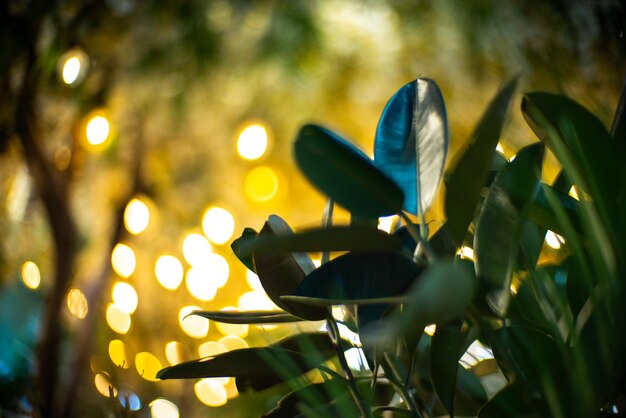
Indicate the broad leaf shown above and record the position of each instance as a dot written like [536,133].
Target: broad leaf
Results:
[412,142]
[309,396]
[506,403]
[542,213]
[444,362]
[499,225]
[248,317]
[334,238]
[247,236]
[259,367]
[345,174]
[360,276]
[465,181]
[281,273]
[470,394]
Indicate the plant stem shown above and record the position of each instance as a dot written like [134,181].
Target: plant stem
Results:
[418,236]
[394,378]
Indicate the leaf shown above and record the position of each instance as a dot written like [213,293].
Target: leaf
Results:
[247,236]
[345,174]
[360,276]
[444,362]
[499,225]
[281,273]
[542,213]
[248,317]
[618,127]
[314,394]
[465,181]
[470,394]
[538,367]
[506,403]
[345,301]
[334,238]
[412,142]
[259,367]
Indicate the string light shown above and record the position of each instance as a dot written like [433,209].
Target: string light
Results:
[218,225]
[31,275]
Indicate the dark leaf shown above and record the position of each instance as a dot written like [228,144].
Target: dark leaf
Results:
[506,403]
[470,394]
[304,398]
[345,174]
[500,223]
[465,181]
[543,215]
[444,362]
[412,142]
[248,317]
[247,235]
[281,273]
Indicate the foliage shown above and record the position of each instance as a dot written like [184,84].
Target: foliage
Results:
[553,324]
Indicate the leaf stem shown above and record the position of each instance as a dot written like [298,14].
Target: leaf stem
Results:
[418,236]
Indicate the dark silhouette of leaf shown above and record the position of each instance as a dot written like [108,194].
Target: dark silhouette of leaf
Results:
[248,317]
[247,236]
[444,362]
[306,397]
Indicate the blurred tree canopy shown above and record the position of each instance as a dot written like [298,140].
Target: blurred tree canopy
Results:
[176,80]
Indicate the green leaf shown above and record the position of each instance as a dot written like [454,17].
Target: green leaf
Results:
[247,236]
[248,317]
[542,213]
[444,362]
[334,238]
[500,223]
[306,397]
[360,276]
[506,403]
[412,142]
[281,273]
[259,367]
[465,181]
[314,301]
[470,394]
[345,174]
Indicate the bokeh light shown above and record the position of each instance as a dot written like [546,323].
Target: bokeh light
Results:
[218,270]
[147,365]
[129,399]
[162,408]
[218,225]
[256,300]
[231,388]
[199,284]
[73,66]
[253,281]
[211,348]
[136,216]
[252,142]
[174,352]
[77,303]
[98,130]
[261,184]
[194,326]
[123,260]
[196,249]
[210,392]
[31,276]
[118,320]
[103,384]
[554,240]
[430,329]
[125,297]
[237,330]
[118,354]
[233,342]
[169,271]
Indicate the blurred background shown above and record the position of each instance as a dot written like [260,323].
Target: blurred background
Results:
[138,139]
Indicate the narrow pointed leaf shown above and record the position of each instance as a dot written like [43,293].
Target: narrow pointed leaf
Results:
[465,181]
[542,214]
[334,238]
[248,235]
[444,363]
[412,142]
[345,174]
[345,301]
[281,273]
[360,276]
[500,223]
[248,317]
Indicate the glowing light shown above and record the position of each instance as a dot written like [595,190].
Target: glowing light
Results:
[252,142]
[261,184]
[118,321]
[255,300]
[194,326]
[500,149]
[317,261]
[136,216]
[199,284]
[125,297]
[71,70]
[123,260]
[169,271]
[253,281]
[211,348]
[573,193]
[231,388]
[355,358]
[77,303]
[232,342]
[98,130]
[218,270]
[162,408]
[386,223]
[117,352]
[239,330]
[218,225]
[554,240]
[430,329]
[174,352]
[210,392]
[129,400]
[466,253]
[31,275]
[196,248]
[147,365]
[103,384]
